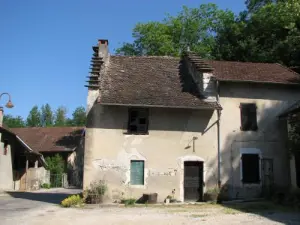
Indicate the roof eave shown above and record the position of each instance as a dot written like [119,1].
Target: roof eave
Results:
[162,106]
[258,82]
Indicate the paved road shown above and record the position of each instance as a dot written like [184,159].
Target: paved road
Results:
[20,203]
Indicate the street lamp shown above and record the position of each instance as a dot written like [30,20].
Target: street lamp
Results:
[9,104]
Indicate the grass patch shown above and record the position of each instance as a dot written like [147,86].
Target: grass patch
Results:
[230,211]
[198,215]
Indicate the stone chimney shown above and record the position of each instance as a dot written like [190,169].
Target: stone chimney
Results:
[99,63]
[103,48]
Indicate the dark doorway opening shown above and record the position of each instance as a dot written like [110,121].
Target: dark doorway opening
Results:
[193,181]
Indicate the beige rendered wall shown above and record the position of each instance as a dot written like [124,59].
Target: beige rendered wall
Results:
[269,139]
[108,149]
[6,171]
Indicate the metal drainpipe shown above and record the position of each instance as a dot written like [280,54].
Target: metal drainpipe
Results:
[219,137]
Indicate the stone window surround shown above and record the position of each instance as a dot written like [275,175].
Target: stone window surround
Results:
[250,151]
[189,158]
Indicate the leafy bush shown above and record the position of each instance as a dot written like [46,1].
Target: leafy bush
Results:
[95,193]
[45,185]
[72,200]
[57,167]
[129,201]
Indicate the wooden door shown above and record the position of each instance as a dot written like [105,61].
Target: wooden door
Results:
[193,181]
[267,177]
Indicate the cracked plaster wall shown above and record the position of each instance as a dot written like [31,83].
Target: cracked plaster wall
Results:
[109,149]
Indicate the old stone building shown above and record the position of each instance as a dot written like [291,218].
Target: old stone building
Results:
[186,126]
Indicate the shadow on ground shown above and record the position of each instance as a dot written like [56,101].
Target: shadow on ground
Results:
[274,212]
[53,198]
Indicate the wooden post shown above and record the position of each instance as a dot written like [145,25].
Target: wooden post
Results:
[26,180]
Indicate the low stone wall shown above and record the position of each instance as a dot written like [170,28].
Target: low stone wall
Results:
[36,177]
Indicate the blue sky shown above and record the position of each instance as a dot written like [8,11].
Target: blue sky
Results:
[46,46]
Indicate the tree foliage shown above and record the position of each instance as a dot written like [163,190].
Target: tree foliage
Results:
[46,117]
[60,117]
[192,28]
[34,117]
[268,31]
[13,122]
[79,117]
[56,164]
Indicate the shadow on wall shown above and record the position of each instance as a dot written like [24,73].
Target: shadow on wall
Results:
[271,139]
[161,119]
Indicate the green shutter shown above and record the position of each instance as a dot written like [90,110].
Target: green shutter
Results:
[137,173]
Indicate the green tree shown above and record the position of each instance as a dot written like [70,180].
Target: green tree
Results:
[270,34]
[13,122]
[192,28]
[79,117]
[47,116]
[34,117]
[60,117]
[57,166]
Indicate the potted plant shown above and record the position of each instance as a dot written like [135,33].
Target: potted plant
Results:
[168,199]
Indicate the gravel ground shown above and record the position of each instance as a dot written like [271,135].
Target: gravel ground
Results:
[108,216]
[17,210]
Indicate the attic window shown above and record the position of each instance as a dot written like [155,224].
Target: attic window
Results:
[248,117]
[138,121]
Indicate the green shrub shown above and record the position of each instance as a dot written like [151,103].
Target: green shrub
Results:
[45,185]
[73,200]
[94,194]
[129,201]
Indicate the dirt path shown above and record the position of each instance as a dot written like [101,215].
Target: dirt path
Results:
[203,214]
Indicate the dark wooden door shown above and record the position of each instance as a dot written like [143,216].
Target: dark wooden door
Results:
[267,177]
[193,181]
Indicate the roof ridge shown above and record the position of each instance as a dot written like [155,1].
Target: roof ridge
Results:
[193,53]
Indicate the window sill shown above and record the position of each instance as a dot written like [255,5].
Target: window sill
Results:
[138,186]
[131,133]
[251,184]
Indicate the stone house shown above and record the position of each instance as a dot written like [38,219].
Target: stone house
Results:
[66,141]
[186,126]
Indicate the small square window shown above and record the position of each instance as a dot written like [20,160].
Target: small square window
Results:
[138,121]
[248,117]
[250,168]
[137,172]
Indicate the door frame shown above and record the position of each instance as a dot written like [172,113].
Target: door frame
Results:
[189,158]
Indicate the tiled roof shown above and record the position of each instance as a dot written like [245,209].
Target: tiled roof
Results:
[152,81]
[163,81]
[50,139]
[254,72]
